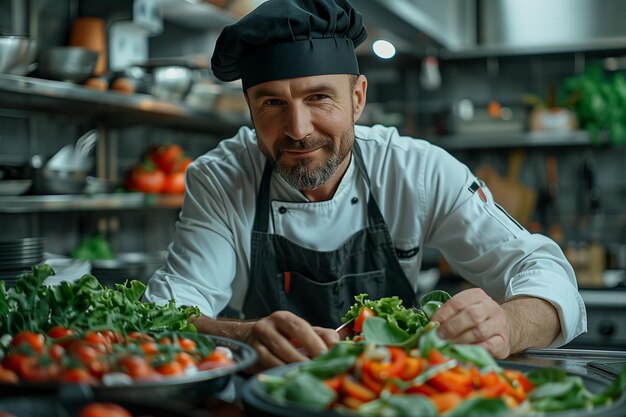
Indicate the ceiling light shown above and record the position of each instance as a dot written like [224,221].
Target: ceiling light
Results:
[384,49]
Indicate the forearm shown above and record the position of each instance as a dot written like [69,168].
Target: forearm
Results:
[533,322]
[234,329]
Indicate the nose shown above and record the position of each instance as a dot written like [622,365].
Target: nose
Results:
[299,124]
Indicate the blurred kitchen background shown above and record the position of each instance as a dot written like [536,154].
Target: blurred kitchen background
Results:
[529,93]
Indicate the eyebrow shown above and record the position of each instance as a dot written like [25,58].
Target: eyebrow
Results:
[320,88]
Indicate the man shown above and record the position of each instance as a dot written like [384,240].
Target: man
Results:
[284,224]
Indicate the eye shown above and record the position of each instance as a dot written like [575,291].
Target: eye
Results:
[319,97]
[272,102]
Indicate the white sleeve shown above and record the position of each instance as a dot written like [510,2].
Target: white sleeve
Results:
[486,246]
[200,263]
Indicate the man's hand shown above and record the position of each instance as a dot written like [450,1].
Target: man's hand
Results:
[472,317]
[282,337]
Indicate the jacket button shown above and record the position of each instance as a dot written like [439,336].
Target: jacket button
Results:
[282,210]
[354,200]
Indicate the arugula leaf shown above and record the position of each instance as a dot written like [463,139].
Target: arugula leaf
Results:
[475,354]
[436,295]
[85,304]
[300,387]
[479,407]
[400,406]
[377,330]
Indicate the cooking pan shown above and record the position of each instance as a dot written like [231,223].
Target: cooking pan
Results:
[189,387]
[258,403]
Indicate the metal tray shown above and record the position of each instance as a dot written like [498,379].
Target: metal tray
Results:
[259,404]
[189,387]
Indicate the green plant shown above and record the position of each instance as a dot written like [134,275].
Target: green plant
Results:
[599,101]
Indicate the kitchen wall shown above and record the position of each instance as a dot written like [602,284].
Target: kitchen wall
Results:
[396,93]
[395,97]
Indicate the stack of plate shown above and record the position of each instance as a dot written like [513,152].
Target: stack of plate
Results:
[18,256]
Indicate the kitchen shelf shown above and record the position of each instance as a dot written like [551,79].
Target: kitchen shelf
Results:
[116,201]
[113,108]
[195,14]
[515,140]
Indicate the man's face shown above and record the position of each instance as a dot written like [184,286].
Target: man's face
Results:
[305,126]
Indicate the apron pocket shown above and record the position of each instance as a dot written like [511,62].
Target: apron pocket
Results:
[324,303]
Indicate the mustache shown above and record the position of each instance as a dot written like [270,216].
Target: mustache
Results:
[310,142]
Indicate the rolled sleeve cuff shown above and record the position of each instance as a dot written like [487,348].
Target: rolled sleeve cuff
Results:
[559,292]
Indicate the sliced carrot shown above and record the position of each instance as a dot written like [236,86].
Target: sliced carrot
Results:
[449,381]
[334,383]
[446,401]
[435,357]
[423,389]
[413,367]
[352,403]
[370,382]
[353,388]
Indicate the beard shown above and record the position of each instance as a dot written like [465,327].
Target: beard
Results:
[307,173]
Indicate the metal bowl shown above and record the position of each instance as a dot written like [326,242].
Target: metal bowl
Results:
[17,53]
[191,387]
[257,402]
[68,63]
[50,181]
[171,82]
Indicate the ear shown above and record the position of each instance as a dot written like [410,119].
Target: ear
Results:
[359,97]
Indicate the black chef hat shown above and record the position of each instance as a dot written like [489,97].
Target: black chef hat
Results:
[289,39]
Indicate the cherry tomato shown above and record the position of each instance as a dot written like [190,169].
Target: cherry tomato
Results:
[77,375]
[170,369]
[140,336]
[217,359]
[56,351]
[363,314]
[85,353]
[174,183]
[146,178]
[186,360]
[58,332]
[7,376]
[166,157]
[182,164]
[104,410]
[149,348]
[36,341]
[136,366]
[186,344]
[98,340]
[34,371]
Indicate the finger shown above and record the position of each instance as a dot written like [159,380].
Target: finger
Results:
[269,333]
[458,303]
[480,332]
[465,320]
[295,328]
[328,336]
[276,342]
[265,358]
[497,346]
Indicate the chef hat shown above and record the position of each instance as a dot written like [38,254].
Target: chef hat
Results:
[289,39]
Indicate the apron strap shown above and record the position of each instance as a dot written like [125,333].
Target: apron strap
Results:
[262,212]
[375,217]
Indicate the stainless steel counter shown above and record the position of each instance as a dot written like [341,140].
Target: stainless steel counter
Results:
[574,360]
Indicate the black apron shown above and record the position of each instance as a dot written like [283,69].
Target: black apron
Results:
[320,286]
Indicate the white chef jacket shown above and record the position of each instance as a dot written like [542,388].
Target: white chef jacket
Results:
[425,195]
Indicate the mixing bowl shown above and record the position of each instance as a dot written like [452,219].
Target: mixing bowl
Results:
[68,63]
[17,53]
